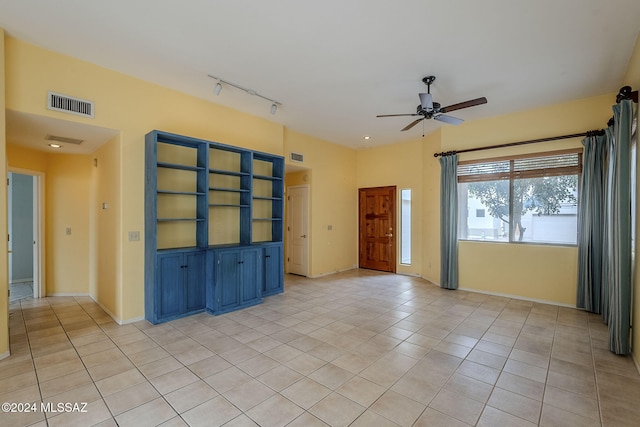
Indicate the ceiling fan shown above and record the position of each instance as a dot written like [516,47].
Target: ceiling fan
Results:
[432,110]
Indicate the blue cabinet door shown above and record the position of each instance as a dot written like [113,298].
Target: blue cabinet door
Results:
[251,276]
[194,281]
[170,297]
[227,280]
[273,270]
[181,284]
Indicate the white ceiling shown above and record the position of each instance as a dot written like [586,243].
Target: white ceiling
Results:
[334,65]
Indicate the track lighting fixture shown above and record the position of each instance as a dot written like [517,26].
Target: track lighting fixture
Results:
[218,88]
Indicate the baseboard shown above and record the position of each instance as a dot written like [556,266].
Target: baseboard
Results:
[353,267]
[5,355]
[430,281]
[67,294]
[133,320]
[635,362]
[114,317]
[519,297]
[497,294]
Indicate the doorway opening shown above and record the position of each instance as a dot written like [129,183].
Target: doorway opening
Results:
[25,201]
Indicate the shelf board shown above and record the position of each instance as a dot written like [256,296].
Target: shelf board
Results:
[267,177]
[266,198]
[233,190]
[181,193]
[179,219]
[226,172]
[266,219]
[177,166]
[227,205]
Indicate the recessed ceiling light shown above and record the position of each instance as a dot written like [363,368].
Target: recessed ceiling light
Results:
[55,145]
[366,137]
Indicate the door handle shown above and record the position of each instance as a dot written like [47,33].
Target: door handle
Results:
[304,236]
[389,235]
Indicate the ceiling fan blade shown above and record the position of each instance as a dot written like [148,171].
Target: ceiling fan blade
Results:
[466,104]
[412,124]
[426,101]
[448,119]
[396,115]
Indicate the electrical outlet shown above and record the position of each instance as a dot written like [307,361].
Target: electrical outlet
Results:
[134,236]
[68,231]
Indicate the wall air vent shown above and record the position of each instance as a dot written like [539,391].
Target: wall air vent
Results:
[64,139]
[68,104]
[297,157]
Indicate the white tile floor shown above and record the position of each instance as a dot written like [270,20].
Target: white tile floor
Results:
[359,348]
[18,291]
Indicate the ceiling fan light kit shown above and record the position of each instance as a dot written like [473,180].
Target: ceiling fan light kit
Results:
[428,109]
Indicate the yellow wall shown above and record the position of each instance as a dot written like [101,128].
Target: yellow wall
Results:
[632,78]
[334,202]
[4,256]
[67,184]
[398,165]
[538,272]
[106,233]
[25,158]
[431,207]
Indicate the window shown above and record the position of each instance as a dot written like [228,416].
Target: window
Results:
[405,227]
[530,198]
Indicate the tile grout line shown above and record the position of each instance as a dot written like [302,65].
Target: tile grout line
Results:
[33,360]
[595,373]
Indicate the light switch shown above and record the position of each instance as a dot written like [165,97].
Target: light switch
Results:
[134,236]
[329,227]
[68,231]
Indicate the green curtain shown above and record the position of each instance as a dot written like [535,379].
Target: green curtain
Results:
[604,240]
[449,222]
[591,230]
[619,231]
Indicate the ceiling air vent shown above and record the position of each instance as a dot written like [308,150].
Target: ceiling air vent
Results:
[297,157]
[68,104]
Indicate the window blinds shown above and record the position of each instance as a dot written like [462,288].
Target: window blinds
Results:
[523,166]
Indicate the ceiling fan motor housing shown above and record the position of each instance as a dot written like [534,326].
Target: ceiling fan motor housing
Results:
[420,110]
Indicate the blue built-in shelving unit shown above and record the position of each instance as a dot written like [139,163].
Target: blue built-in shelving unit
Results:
[213,226]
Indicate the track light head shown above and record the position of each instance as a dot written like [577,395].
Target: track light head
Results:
[274,108]
[217,89]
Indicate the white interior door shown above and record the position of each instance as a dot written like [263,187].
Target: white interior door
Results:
[30,249]
[298,259]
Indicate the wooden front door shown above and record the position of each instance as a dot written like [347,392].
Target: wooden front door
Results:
[377,219]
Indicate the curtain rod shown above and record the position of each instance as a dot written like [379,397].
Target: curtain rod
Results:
[512,144]
[625,93]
